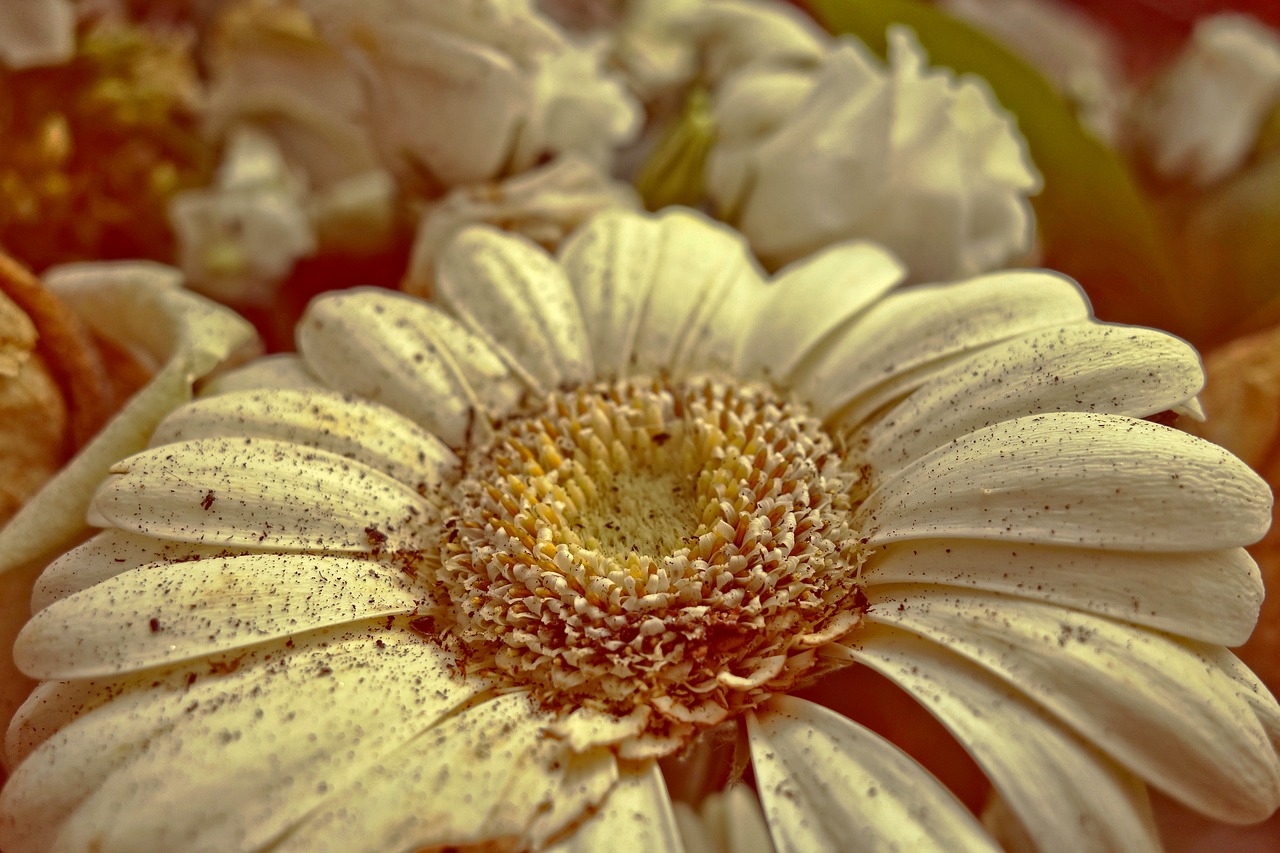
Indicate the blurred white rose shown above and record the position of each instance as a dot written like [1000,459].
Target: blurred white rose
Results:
[1201,116]
[917,159]
[441,93]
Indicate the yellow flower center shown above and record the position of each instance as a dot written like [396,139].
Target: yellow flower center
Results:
[672,549]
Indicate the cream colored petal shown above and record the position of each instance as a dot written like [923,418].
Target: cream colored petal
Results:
[825,780]
[112,724]
[880,356]
[636,818]
[1069,797]
[235,774]
[610,262]
[486,773]
[1073,479]
[282,370]
[1248,687]
[108,554]
[589,776]
[1086,367]
[262,493]
[809,300]
[143,307]
[513,295]
[1213,596]
[170,612]
[366,432]
[700,264]
[736,821]
[1152,703]
[410,356]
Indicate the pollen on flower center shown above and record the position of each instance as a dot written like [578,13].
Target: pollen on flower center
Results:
[669,553]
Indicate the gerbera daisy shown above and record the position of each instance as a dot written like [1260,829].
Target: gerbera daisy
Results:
[473,573]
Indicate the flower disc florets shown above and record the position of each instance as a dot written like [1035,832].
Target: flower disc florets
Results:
[647,546]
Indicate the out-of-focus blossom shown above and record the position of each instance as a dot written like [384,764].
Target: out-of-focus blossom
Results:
[440,93]
[1201,117]
[544,204]
[915,158]
[1072,50]
[37,32]
[239,237]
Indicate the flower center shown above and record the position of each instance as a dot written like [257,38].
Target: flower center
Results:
[671,553]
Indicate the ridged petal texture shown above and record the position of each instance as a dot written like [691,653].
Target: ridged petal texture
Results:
[248,656]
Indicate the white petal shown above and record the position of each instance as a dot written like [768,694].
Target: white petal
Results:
[410,356]
[810,299]
[1152,703]
[700,263]
[237,773]
[1212,596]
[882,355]
[108,554]
[1068,796]
[485,773]
[516,297]
[112,722]
[261,493]
[610,263]
[1087,367]
[141,306]
[170,612]
[282,370]
[824,780]
[348,426]
[1074,479]
[636,818]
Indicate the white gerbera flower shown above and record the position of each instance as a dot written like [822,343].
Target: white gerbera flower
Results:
[464,574]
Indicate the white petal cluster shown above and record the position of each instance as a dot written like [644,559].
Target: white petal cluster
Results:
[439,93]
[254,651]
[820,143]
[1201,117]
[245,231]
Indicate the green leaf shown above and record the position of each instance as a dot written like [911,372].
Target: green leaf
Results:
[1095,223]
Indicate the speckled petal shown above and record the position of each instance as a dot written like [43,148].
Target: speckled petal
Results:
[282,370]
[486,773]
[110,725]
[808,301]
[1213,596]
[410,356]
[234,774]
[825,780]
[511,293]
[348,426]
[1074,479]
[1080,800]
[636,818]
[1087,367]
[891,348]
[1152,703]
[261,493]
[170,612]
[108,554]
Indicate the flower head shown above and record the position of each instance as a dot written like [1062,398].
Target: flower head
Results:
[463,573]
[813,150]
